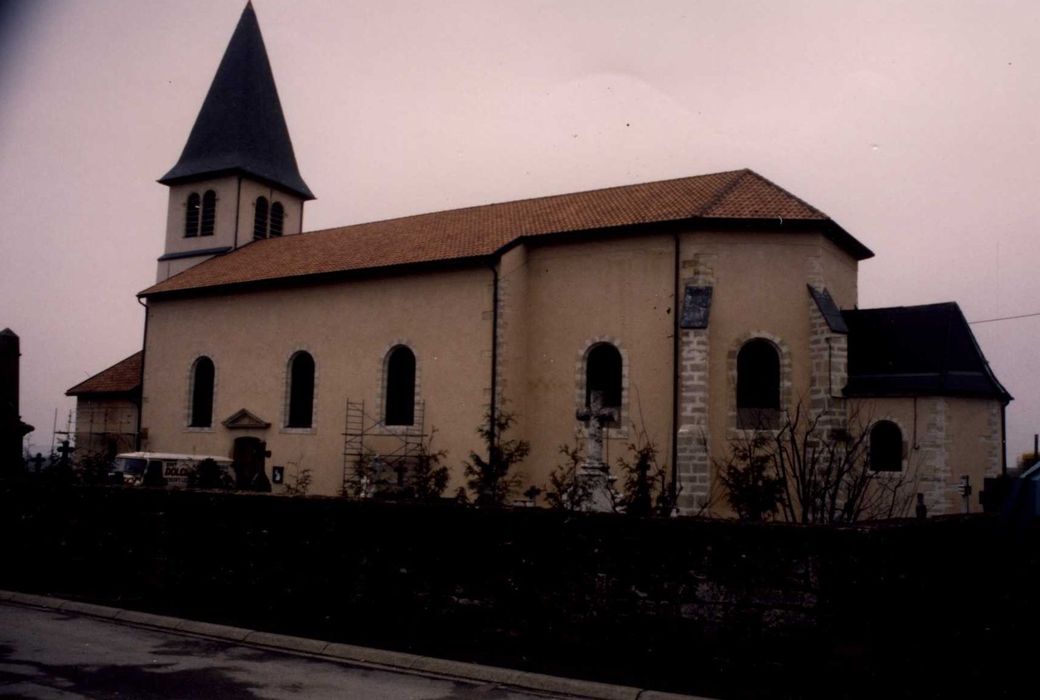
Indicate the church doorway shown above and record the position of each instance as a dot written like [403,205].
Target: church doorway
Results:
[248,459]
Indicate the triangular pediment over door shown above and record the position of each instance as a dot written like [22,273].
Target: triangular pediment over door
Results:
[245,420]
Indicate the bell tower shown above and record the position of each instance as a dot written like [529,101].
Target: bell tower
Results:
[237,179]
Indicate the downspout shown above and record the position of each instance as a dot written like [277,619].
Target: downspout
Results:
[675,367]
[140,399]
[238,209]
[492,412]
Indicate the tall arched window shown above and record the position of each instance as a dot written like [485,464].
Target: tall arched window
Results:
[301,391]
[758,385]
[202,393]
[260,218]
[209,213]
[191,216]
[603,379]
[886,447]
[277,219]
[400,387]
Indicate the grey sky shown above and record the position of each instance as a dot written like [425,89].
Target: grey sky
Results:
[914,125]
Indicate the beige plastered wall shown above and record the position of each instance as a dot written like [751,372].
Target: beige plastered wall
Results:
[944,439]
[616,290]
[760,291]
[559,299]
[556,300]
[348,327]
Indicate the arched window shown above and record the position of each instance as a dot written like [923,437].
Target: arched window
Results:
[758,385]
[202,393]
[301,391]
[191,217]
[209,213]
[400,387]
[260,218]
[886,447]
[603,379]
[277,219]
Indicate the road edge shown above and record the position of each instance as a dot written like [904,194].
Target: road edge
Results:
[366,656]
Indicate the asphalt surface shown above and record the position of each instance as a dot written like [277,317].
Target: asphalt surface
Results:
[52,649]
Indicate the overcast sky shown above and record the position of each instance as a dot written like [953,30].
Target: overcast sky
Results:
[915,125]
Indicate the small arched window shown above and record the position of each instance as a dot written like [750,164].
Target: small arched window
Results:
[260,218]
[886,447]
[603,379]
[209,213]
[758,385]
[301,391]
[202,393]
[400,387]
[191,216]
[277,219]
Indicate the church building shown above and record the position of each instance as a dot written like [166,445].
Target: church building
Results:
[693,312]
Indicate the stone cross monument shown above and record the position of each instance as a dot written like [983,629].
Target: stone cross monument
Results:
[594,472]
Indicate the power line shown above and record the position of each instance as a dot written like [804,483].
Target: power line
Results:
[1004,318]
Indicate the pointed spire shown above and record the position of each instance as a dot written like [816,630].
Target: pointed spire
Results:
[240,127]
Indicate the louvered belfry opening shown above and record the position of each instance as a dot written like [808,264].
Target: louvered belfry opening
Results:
[260,218]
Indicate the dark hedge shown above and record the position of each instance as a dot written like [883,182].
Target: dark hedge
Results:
[720,608]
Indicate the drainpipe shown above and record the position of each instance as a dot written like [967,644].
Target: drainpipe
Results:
[492,412]
[675,366]
[238,210]
[140,399]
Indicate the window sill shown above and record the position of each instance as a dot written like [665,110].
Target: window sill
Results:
[383,429]
[298,431]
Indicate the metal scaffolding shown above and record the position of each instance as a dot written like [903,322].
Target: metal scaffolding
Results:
[377,456]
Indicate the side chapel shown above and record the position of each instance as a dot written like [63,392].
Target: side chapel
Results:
[698,309]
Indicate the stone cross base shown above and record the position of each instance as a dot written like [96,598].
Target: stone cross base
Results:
[597,481]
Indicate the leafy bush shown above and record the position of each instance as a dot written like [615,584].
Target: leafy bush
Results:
[491,479]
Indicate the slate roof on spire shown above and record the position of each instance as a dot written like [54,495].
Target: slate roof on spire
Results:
[240,127]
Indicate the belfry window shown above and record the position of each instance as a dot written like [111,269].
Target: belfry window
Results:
[202,393]
[260,218]
[301,391]
[886,447]
[603,380]
[209,213]
[277,219]
[191,216]
[758,385]
[400,387]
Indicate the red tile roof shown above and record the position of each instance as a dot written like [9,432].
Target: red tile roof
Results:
[123,377]
[483,230]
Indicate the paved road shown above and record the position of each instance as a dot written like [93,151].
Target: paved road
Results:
[50,655]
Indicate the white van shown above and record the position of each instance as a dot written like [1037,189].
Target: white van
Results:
[137,468]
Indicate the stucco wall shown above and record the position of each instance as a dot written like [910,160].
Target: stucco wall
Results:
[760,292]
[348,328]
[616,290]
[556,300]
[945,438]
